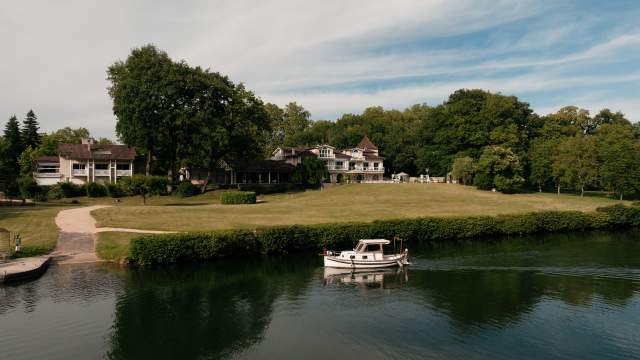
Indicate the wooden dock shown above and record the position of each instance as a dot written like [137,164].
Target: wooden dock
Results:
[23,268]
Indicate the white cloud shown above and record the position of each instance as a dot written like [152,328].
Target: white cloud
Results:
[56,53]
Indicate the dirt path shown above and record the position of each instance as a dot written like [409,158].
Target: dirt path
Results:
[77,239]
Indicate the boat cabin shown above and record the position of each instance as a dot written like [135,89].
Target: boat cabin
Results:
[370,245]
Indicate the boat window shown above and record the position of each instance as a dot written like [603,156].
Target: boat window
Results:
[373,248]
[352,257]
[365,257]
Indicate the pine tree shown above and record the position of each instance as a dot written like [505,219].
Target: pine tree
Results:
[30,136]
[13,144]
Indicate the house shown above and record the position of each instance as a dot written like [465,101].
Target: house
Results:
[361,163]
[238,172]
[85,162]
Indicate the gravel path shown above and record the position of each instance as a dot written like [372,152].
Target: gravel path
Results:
[77,239]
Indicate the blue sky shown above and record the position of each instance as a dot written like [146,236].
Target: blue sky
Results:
[330,56]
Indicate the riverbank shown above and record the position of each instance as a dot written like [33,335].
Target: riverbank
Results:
[202,246]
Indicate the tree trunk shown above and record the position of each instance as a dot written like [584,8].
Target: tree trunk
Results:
[206,181]
[620,196]
[539,188]
[148,165]
[558,190]
[144,199]
[582,191]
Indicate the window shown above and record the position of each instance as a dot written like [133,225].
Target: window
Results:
[373,248]
[375,166]
[48,168]
[79,166]
[339,164]
[352,166]
[102,166]
[366,165]
[122,166]
[325,152]
[365,257]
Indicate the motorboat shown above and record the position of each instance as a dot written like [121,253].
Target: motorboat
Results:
[367,254]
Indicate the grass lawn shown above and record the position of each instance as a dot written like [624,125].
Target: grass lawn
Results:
[113,246]
[345,203]
[35,223]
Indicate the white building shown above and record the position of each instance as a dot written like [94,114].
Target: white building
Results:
[86,162]
[359,164]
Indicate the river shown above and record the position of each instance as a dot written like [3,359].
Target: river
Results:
[565,296]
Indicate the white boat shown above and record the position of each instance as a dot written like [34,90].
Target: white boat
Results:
[368,254]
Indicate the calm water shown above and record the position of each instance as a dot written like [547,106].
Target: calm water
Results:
[559,296]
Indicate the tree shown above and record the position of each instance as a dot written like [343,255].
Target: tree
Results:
[498,168]
[30,135]
[13,146]
[27,160]
[310,172]
[67,135]
[541,157]
[144,185]
[139,89]
[462,170]
[576,164]
[619,155]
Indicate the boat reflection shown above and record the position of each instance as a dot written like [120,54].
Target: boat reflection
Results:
[366,278]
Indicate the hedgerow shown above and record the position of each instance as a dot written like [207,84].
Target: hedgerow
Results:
[200,246]
[237,197]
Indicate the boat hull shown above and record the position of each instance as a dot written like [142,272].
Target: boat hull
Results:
[342,263]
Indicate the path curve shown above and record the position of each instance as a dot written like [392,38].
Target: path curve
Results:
[77,240]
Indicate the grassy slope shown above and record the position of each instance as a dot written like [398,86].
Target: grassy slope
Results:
[346,203]
[35,224]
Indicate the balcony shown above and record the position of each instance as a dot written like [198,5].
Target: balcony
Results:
[124,173]
[101,172]
[47,174]
[79,172]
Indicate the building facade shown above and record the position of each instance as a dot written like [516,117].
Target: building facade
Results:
[362,163]
[86,162]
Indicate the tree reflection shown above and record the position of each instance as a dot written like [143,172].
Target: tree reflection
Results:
[202,311]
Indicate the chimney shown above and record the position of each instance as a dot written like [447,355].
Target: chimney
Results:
[87,141]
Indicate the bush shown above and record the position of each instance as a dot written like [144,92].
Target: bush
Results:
[157,185]
[169,248]
[238,197]
[96,190]
[29,189]
[55,192]
[70,189]
[187,189]
[115,190]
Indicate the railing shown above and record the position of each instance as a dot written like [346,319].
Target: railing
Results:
[123,173]
[329,167]
[79,172]
[47,175]
[101,172]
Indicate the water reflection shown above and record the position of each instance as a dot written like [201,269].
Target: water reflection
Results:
[202,311]
[366,278]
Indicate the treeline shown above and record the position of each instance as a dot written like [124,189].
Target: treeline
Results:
[20,144]
[491,141]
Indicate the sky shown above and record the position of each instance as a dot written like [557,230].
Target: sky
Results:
[330,56]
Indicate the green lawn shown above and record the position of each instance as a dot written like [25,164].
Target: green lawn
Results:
[113,246]
[35,223]
[345,203]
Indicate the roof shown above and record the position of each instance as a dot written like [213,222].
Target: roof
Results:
[260,165]
[48,159]
[375,241]
[96,151]
[366,143]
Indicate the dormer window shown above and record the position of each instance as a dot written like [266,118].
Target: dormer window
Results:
[325,152]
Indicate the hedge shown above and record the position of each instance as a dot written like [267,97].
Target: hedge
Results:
[238,197]
[96,190]
[187,189]
[200,246]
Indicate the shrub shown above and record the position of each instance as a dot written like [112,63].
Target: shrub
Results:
[55,192]
[96,190]
[238,197]
[70,189]
[187,189]
[29,189]
[169,248]
[157,185]
[271,188]
[115,190]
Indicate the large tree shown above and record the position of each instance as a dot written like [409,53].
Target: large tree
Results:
[498,168]
[619,155]
[576,165]
[66,135]
[30,135]
[142,103]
